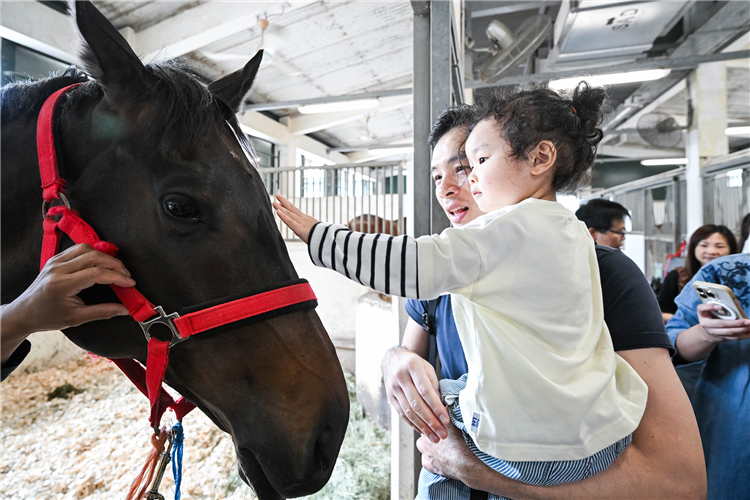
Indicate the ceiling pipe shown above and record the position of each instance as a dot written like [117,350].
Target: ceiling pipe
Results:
[660,63]
[270,106]
[655,63]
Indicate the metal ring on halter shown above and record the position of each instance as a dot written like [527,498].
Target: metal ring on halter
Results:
[46,205]
[166,320]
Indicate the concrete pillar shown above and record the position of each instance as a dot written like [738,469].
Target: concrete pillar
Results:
[128,34]
[287,150]
[707,90]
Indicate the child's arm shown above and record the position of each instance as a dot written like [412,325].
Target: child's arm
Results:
[394,265]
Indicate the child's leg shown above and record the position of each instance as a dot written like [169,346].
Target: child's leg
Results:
[434,487]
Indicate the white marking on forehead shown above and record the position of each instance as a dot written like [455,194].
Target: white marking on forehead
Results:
[249,153]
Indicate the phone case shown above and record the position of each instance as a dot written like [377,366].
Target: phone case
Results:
[713,293]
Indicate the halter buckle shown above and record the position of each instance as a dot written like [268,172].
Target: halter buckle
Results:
[163,319]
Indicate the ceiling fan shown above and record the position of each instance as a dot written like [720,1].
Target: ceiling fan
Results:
[507,49]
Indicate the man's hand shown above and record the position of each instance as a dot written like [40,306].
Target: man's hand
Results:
[450,457]
[719,330]
[51,302]
[413,390]
[299,222]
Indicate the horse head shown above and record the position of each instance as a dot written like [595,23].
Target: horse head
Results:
[155,161]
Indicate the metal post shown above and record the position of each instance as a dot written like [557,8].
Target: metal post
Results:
[440,88]
[418,179]
[405,459]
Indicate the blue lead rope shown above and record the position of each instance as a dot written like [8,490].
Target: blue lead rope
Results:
[177,458]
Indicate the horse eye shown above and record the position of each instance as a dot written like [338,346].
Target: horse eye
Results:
[182,208]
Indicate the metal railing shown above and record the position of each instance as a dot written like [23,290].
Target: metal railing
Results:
[366,197]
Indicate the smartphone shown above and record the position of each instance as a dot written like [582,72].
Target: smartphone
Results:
[713,293]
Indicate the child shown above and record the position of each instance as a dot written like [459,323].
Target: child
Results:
[545,393]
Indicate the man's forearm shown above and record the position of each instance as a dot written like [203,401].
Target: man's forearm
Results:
[630,477]
[664,461]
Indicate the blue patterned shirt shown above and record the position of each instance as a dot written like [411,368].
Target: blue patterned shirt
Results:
[721,399]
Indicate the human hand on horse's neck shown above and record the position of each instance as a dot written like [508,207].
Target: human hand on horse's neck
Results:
[52,302]
[296,219]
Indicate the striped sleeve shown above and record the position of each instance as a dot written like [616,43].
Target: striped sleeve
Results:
[385,263]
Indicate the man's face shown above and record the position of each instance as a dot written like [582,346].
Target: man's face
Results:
[614,237]
[450,171]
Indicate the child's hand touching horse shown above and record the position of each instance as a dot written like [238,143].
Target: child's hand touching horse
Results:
[298,221]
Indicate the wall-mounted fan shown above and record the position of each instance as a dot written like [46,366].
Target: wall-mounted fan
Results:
[508,49]
[660,130]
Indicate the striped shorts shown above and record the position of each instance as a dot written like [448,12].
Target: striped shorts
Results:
[434,487]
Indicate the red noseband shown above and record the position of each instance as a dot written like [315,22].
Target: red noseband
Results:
[260,305]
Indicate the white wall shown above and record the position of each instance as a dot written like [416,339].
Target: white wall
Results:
[337,301]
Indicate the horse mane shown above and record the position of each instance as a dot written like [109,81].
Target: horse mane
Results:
[187,109]
[25,98]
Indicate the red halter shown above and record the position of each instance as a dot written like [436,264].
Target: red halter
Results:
[294,295]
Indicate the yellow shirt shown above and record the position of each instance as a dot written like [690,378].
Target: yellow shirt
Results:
[544,380]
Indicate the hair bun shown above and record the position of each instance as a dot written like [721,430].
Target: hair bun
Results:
[589,105]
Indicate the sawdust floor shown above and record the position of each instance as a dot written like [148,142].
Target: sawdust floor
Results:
[93,439]
[91,444]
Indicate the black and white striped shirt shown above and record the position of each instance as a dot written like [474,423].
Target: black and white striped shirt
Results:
[382,262]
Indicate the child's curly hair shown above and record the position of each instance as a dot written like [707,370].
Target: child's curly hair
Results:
[572,125]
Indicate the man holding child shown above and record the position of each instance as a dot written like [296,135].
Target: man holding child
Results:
[523,149]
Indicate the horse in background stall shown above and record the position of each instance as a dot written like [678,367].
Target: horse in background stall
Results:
[369,223]
[156,163]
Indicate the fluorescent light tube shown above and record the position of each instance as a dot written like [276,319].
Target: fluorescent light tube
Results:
[332,107]
[611,79]
[664,161]
[741,131]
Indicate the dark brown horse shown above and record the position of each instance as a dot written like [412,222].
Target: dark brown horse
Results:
[369,223]
[153,164]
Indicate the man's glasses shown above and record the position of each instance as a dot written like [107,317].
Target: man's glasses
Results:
[621,234]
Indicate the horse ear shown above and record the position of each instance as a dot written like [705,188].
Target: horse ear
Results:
[105,53]
[232,88]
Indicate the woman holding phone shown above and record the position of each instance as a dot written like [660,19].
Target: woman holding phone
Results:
[721,398]
[706,243]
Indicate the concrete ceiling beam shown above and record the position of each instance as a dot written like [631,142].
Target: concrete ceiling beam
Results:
[259,125]
[379,94]
[40,28]
[203,25]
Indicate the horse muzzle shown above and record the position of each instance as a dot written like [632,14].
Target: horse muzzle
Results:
[295,472]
